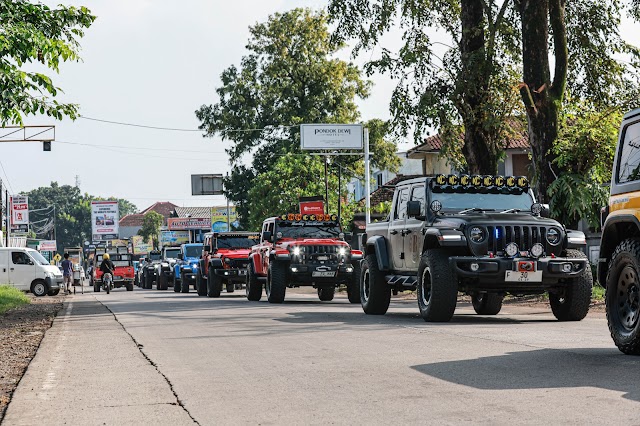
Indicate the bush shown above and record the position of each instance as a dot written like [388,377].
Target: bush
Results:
[11,298]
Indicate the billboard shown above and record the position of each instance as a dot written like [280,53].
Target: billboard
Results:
[331,136]
[219,218]
[104,220]
[174,238]
[140,246]
[48,245]
[185,223]
[19,214]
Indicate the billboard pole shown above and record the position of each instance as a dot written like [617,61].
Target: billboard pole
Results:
[367,180]
[9,215]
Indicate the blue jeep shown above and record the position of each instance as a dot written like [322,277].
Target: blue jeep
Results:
[186,268]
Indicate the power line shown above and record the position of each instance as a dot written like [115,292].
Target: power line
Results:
[6,177]
[130,147]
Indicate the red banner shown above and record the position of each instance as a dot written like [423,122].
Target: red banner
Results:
[311,207]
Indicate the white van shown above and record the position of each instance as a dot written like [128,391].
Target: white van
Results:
[26,269]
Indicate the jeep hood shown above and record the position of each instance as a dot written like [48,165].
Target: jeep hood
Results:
[497,219]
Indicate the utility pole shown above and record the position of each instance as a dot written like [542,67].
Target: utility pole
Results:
[8,229]
[367,180]
[326,183]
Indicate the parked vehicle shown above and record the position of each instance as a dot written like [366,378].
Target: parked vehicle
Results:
[123,274]
[164,269]
[185,269]
[224,261]
[619,263]
[481,235]
[148,271]
[27,270]
[302,250]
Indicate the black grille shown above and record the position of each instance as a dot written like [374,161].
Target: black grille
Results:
[238,263]
[324,249]
[524,236]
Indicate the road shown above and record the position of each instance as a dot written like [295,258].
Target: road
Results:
[230,361]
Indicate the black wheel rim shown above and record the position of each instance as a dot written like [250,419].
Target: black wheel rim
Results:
[425,285]
[366,287]
[628,298]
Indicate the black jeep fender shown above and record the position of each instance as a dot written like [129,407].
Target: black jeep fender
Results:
[378,245]
[215,263]
[616,228]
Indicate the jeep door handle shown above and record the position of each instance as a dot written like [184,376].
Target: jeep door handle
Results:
[394,232]
[406,232]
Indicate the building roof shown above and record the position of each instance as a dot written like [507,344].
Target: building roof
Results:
[518,140]
[384,193]
[132,220]
[165,208]
[199,212]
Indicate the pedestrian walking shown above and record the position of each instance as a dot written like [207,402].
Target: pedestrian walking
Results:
[67,273]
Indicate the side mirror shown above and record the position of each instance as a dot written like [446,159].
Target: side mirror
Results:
[546,211]
[414,208]
[180,256]
[266,236]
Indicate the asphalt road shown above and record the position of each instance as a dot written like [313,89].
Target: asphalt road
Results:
[230,361]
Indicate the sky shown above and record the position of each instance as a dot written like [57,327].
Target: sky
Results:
[154,63]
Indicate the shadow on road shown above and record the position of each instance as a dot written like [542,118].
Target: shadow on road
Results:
[544,369]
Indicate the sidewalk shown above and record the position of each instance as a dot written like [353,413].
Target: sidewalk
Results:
[89,371]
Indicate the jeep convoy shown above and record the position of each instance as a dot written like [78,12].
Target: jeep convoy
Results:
[481,235]
[147,271]
[185,269]
[302,250]
[165,268]
[225,257]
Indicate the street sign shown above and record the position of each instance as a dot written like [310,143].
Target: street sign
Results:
[57,257]
[206,184]
[331,136]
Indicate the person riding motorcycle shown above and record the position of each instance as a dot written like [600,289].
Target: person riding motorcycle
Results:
[107,267]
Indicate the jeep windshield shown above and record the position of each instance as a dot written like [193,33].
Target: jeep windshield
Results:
[172,253]
[235,242]
[155,256]
[298,230]
[192,251]
[487,202]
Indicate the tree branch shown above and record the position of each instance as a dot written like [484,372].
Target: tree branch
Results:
[559,28]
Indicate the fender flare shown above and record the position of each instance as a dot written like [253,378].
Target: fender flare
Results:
[254,258]
[215,263]
[610,239]
[378,245]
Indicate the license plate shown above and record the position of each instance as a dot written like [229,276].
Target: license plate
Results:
[116,278]
[523,277]
[325,274]
[243,272]
[323,257]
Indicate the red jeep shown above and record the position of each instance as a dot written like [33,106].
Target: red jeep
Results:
[303,250]
[224,260]
[123,276]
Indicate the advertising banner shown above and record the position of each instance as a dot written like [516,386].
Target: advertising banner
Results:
[186,223]
[219,218]
[331,136]
[104,220]
[19,214]
[140,246]
[311,207]
[48,245]
[174,238]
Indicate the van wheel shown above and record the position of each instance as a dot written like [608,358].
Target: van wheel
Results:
[573,304]
[437,287]
[375,294]
[39,288]
[623,297]
[53,292]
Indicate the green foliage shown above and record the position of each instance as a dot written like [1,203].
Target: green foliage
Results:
[289,77]
[34,32]
[73,212]
[11,297]
[151,224]
[575,197]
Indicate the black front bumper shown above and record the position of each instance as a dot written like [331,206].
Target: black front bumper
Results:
[491,272]
[318,274]
[232,274]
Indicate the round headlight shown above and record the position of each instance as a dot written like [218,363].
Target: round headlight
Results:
[553,236]
[342,251]
[296,251]
[511,249]
[537,250]
[477,234]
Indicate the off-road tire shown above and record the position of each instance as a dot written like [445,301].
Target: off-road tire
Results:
[201,285]
[487,303]
[230,287]
[622,296]
[253,288]
[176,284]
[276,282]
[184,285]
[353,287]
[39,288]
[214,284]
[135,281]
[148,282]
[326,294]
[162,283]
[129,286]
[437,287]
[375,294]
[573,305]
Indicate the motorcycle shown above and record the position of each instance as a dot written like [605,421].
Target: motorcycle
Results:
[107,282]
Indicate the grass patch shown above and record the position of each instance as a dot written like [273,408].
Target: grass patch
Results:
[598,292]
[11,298]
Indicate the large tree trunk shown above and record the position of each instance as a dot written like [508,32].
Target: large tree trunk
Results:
[541,98]
[479,151]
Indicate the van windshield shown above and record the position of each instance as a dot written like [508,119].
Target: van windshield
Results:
[39,258]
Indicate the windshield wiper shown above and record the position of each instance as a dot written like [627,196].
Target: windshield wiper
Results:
[511,211]
[476,209]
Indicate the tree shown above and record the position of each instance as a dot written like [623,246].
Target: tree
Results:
[467,89]
[584,38]
[151,223]
[34,32]
[290,76]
